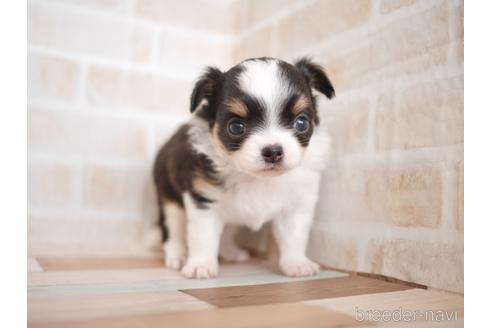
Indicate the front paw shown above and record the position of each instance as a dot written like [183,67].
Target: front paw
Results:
[200,269]
[299,267]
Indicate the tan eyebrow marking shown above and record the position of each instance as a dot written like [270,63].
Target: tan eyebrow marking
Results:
[301,104]
[237,107]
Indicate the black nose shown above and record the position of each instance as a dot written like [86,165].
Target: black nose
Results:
[272,154]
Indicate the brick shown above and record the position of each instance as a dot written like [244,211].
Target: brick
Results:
[374,256]
[132,90]
[407,198]
[115,189]
[383,56]
[70,30]
[75,134]
[54,236]
[255,44]
[51,78]
[162,135]
[458,51]
[190,54]
[432,263]
[343,197]
[259,11]
[320,21]
[461,198]
[214,17]
[381,196]
[457,17]
[118,6]
[388,6]
[49,185]
[424,115]
[356,68]
[333,250]
[347,122]
[164,130]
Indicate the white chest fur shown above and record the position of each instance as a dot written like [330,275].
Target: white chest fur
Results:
[253,201]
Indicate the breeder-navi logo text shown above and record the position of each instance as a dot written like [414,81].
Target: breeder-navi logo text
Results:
[400,314]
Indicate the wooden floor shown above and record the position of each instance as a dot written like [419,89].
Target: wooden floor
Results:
[140,292]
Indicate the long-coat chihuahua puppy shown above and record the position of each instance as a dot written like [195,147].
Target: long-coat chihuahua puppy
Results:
[251,153]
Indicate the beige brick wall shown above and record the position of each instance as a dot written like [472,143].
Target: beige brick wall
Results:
[109,80]
[392,196]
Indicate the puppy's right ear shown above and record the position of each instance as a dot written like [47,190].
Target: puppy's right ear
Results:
[204,89]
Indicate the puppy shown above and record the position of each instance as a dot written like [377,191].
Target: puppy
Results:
[251,153]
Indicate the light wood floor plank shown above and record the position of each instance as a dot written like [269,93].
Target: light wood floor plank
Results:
[136,292]
[54,278]
[51,263]
[287,315]
[74,307]
[417,301]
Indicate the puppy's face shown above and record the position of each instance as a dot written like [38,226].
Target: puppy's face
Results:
[262,113]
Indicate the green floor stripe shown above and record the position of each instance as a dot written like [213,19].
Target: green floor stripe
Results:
[175,284]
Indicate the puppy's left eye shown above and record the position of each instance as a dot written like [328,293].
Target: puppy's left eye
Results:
[301,123]
[236,127]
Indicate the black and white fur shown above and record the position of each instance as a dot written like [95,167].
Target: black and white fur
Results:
[210,179]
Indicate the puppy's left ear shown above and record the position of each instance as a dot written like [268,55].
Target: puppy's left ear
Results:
[315,76]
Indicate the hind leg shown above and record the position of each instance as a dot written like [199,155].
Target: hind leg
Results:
[229,250]
[175,245]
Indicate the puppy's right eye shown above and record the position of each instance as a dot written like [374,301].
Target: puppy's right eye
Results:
[236,127]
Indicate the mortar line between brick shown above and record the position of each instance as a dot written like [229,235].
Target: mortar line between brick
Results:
[136,21]
[369,27]
[135,114]
[154,52]
[371,142]
[273,19]
[78,186]
[130,8]
[142,68]
[385,232]
[449,192]
[73,160]
[82,87]
[376,6]
[405,81]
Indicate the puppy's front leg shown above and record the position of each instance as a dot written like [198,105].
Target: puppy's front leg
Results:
[203,236]
[292,232]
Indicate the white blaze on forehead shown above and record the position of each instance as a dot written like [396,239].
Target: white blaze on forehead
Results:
[263,80]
